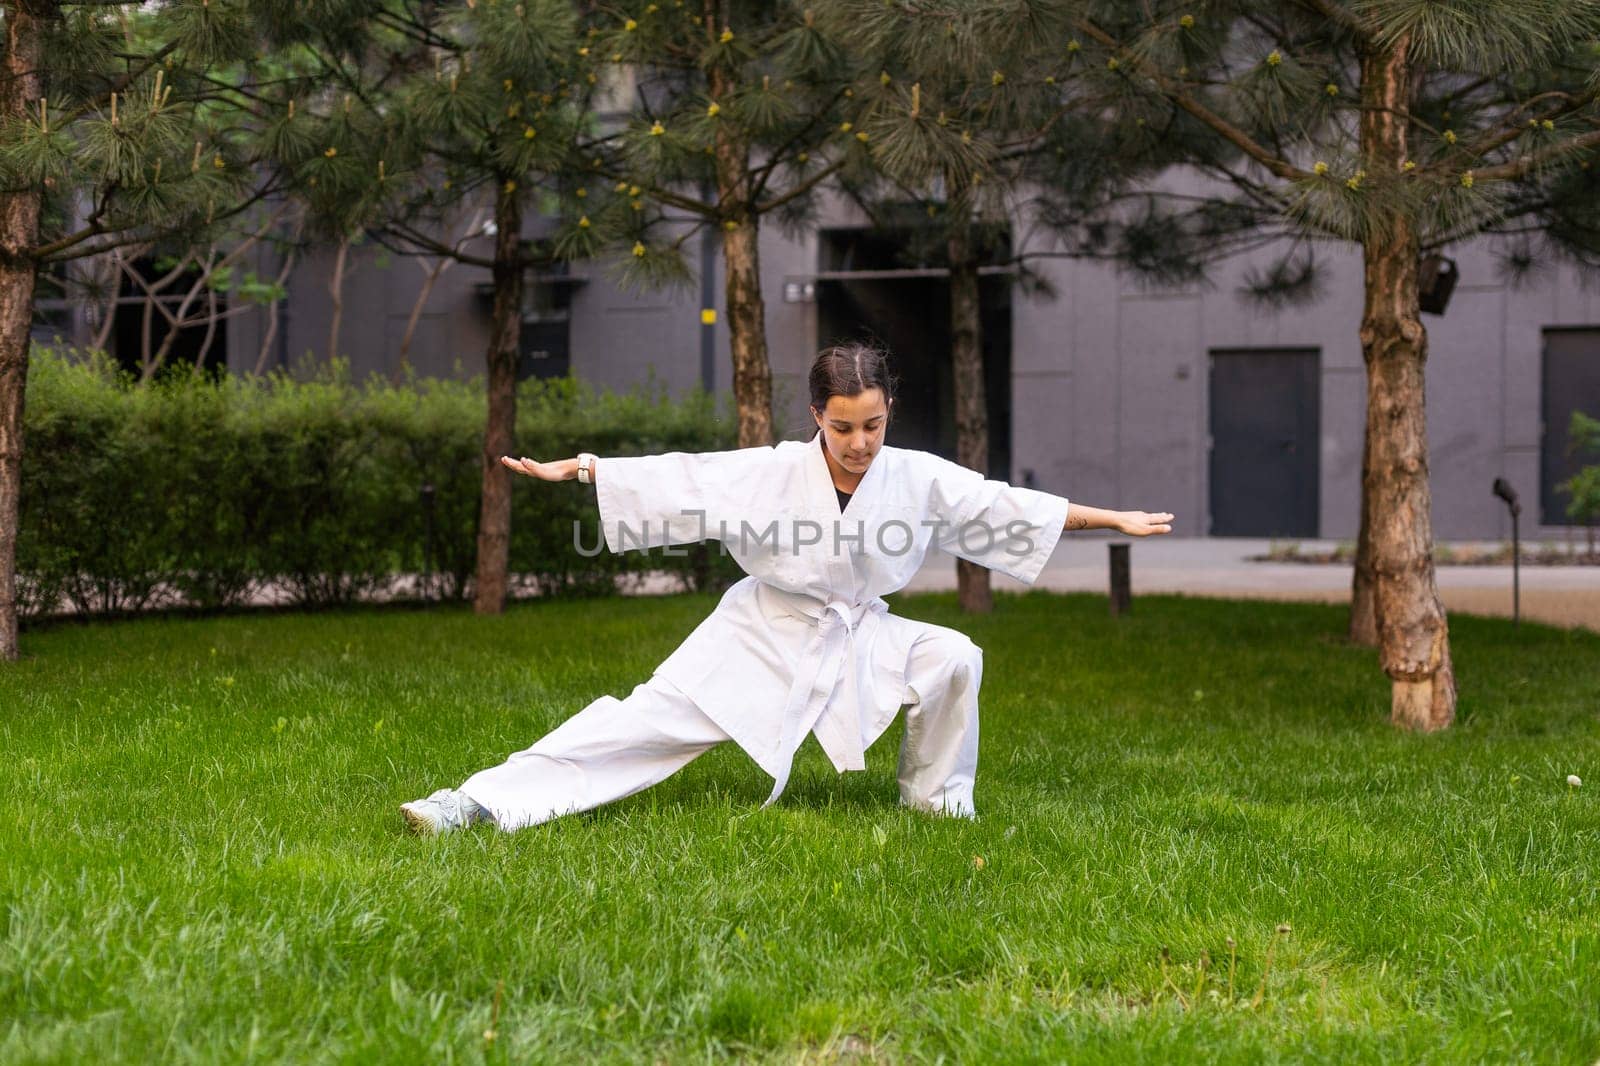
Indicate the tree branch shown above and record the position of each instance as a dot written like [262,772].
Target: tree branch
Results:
[119,83]
[132,234]
[762,174]
[801,189]
[1227,130]
[1519,168]
[431,246]
[1496,139]
[694,207]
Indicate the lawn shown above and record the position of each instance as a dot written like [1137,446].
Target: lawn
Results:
[1199,840]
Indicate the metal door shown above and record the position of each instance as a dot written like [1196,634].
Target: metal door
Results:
[1265,434]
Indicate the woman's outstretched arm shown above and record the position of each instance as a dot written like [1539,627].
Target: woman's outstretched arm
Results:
[1133,523]
[650,501]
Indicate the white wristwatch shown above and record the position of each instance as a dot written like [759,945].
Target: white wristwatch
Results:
[586,467]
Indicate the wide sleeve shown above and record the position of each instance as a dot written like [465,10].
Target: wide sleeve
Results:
[649,501]
[991,523]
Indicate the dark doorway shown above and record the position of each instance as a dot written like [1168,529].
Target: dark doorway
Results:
[1571,382]
[901,300]
[196,343]
[1265,439]
[544,339]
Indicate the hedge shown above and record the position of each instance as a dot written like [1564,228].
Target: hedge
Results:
[202,492]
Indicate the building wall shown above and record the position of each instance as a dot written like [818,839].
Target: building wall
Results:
[1109,378]
[380,290]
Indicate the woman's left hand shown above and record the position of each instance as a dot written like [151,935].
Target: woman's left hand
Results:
[1144,523]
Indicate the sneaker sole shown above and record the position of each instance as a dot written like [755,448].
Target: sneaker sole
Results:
[417,823]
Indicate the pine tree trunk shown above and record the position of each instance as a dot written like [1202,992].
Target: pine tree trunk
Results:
[1413,637]
[1363,588]
[972,417]
[747,335]
[494,520]
[747,325]
[21,84]
[19,218]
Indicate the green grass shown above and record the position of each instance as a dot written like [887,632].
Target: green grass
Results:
[200,857]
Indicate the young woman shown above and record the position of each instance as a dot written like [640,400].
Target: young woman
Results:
[803,645]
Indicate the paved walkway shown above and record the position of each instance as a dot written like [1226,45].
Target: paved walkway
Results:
[1202,566]
[1207,566]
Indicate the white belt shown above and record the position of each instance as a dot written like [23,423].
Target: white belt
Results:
[817,673]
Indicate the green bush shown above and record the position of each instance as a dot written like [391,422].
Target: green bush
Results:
[198,492]
[1583,488]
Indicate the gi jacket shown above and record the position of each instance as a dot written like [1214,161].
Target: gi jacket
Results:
[805,643]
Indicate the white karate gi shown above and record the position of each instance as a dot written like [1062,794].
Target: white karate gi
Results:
[805,643]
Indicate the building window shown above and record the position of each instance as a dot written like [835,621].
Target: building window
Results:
[1570,382]
[544,348]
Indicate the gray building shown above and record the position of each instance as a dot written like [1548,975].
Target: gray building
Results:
[1239,419]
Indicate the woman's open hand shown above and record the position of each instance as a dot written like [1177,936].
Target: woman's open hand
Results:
[560,470]
[1143,523]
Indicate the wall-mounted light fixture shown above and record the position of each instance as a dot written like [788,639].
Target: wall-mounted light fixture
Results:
[1436,280]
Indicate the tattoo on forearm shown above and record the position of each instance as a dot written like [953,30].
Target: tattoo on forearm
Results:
[1077,521]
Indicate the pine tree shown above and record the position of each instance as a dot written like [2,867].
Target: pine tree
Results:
[754,103]
[440,108]
[1399,128]
[120,126]
[965,95]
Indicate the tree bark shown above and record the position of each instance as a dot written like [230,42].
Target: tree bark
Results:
[271,333]
[108,320]
[1413,637]
[428,281]
[494,519]
[336,298]
[431,275]
[211,329]
[747,327]
[404,360]
[972,416]
[21,84]
[1363,586]
[178,320]
[150,362]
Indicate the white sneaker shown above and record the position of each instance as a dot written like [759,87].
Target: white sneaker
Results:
[442,812]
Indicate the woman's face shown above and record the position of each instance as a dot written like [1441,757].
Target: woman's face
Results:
[853,428]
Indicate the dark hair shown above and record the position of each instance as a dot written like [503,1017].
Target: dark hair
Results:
[849,370]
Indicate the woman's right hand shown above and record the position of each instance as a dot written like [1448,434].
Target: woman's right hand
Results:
[559,470]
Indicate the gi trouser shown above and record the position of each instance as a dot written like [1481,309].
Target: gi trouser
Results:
[614,748]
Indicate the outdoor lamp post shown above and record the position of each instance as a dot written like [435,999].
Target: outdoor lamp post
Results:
[1503,489]
[427,494]
[1121,584]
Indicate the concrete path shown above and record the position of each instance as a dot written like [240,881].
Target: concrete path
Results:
[1202,566]
[1213,566]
